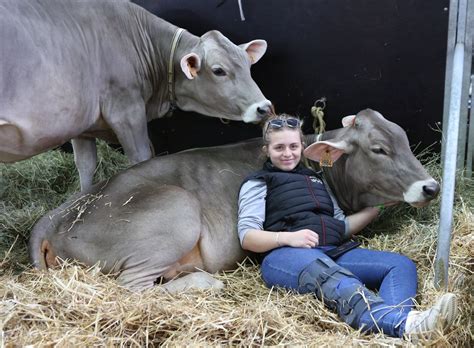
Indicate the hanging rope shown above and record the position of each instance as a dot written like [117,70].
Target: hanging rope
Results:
[241,10]
[317,110]
[319,126]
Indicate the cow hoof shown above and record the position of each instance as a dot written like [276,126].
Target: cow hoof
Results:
[193,281]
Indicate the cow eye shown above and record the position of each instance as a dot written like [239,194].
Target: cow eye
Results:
[379,151]
[219,72]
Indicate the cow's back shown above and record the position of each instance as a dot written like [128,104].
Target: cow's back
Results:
[58,57]
[58,45]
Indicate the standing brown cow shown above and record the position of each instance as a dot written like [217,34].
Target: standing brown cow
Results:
[91,69]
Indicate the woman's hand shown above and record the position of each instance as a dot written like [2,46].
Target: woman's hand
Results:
[300,239]
[261,241]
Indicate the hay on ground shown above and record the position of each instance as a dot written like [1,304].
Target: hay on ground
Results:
[77,305]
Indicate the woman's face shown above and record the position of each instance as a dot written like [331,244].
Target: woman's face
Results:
[285,148]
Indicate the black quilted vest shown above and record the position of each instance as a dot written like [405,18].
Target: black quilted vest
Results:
[298,199]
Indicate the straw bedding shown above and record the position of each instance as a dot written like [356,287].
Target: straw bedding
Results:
[79,306]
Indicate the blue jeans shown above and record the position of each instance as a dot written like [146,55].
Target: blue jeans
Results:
[393,275]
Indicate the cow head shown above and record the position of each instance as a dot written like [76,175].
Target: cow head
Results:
[374,164]
[215,79]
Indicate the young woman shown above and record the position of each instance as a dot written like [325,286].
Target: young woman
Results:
[289,217]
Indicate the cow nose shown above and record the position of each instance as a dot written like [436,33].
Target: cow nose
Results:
[431,189]
[264,110]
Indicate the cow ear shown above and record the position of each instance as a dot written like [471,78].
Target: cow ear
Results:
[335,149]
[190,64]
[255,49]
[348,120]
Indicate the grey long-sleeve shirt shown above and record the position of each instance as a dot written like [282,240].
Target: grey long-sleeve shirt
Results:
[252,207]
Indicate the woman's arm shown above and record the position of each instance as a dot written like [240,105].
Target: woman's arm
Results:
[260,241]
[359,220]
[355,222]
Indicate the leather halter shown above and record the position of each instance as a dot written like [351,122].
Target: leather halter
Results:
[176,37]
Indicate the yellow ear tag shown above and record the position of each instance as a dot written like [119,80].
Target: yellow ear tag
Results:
[325,160]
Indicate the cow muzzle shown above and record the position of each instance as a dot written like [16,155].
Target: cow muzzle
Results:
[421,193]
[257,111]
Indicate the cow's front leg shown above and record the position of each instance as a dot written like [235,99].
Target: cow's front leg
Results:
[127,119]
[85,157]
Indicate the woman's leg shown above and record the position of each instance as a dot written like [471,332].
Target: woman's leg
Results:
[395,277]
[392,274]
[282,266]
[311,270]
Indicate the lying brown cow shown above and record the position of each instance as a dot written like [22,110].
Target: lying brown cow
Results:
[177,214]
[91,69]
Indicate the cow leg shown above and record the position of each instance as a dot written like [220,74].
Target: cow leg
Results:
[128,120]
[85,157]
[195,280]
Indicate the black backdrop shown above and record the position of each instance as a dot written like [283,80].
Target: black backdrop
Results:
[388,55]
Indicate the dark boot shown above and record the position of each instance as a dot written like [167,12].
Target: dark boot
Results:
[339,289]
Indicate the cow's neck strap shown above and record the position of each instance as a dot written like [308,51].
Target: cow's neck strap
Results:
[174,44]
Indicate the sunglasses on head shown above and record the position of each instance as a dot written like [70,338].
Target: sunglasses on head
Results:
[281,122]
